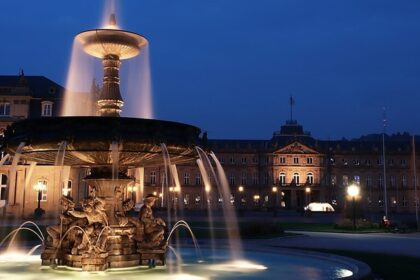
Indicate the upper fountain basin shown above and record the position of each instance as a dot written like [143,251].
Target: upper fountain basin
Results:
[89,140]
[102,42]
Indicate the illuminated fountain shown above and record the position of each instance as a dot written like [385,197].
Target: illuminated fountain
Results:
[100,236]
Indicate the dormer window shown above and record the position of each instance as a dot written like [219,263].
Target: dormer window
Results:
[46,109]
[4,109]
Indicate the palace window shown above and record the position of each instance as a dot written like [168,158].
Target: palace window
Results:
[186,178]
[3,186]
[368,162]
[295,160]
[356,179]
[393,181]
[5,109]
[255,179]
[232,180]
[403,162]
[153,177]
[309,160]
[310,178]
[243,178]
[265,179]
[46,110]
[282,178]
[380,181]
[296,178]
[282,160]
[232,160]
[243,160]
[404,181]
[197,180]
[369,181]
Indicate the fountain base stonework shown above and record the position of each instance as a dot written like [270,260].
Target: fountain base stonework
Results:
[101,236]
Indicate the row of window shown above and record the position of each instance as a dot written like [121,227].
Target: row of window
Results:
[369,180]
[46,108]
[67,190]
[368,162]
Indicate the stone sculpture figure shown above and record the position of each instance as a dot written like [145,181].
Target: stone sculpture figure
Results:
[67,221]
[153,229]
[94,212]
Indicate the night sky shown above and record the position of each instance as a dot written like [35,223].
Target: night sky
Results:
[229,66]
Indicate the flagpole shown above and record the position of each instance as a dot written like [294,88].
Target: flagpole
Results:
[384,165]
[415,183]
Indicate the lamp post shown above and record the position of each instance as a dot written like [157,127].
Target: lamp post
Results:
[353,191]
[308,194]
[241,206]
[275,192]
[39,187]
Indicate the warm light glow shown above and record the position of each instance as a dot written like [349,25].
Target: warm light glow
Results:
[177,189]
[239,265]
[40,186]
[155,193]
[207,188]
[160,195]
[256,197]
[308,190]
[274,189]
[241,188]
[132,188]
[171,189]
[353,190]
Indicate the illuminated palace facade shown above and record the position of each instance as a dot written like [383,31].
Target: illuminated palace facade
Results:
[287,171]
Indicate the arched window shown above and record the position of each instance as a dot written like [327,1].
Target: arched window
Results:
[296,179]
[310,178]
[282,178]
[3,186]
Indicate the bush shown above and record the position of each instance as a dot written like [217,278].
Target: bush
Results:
[361,224]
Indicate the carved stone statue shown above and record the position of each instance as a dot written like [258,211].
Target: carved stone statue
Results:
[95,234]
[151,230]
[66,222]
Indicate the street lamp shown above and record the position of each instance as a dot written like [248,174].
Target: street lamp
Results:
[39,187]
[308,193]
[353,191]
[241,203]
[275,192]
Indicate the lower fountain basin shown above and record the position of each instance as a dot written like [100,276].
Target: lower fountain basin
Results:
[282,264]
[89,139]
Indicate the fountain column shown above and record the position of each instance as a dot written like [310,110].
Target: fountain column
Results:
[110,102]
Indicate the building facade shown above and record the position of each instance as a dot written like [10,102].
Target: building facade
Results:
[288,171]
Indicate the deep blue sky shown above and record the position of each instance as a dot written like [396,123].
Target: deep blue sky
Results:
[229,66]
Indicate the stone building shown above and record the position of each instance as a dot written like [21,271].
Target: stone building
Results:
[287,171]
[24,97]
